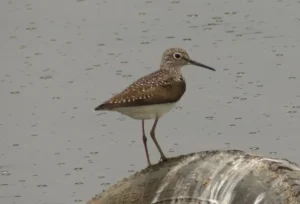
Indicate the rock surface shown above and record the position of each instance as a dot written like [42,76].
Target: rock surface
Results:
[210,177]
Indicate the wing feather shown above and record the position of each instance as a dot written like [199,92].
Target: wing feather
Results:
[155,88]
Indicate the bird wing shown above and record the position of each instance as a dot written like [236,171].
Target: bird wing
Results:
[155,88]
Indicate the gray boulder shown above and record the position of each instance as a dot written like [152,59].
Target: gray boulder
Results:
[209,177]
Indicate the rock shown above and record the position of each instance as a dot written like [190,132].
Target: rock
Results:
[209,177]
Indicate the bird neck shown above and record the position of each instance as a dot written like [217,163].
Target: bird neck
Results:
[173,71]
[171,67]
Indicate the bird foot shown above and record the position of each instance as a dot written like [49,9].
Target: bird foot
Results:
[163,159]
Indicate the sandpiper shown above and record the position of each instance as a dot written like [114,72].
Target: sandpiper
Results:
[155,94]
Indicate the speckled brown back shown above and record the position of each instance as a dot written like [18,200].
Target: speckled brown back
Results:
[162,86]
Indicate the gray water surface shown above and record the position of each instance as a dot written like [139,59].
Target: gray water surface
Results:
[60,59]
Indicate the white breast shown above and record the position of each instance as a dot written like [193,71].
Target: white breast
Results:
[145,112]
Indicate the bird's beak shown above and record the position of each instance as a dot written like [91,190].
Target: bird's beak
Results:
[199,64]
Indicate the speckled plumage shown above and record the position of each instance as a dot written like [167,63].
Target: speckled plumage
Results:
[155,94]
[162,86]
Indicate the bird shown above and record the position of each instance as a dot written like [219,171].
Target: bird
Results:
[153,95]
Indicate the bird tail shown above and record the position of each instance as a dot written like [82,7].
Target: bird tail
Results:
[100,107]
[103,106]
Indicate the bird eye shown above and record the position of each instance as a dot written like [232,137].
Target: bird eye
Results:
[177,55]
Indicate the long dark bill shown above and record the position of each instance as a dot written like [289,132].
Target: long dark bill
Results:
[199,64]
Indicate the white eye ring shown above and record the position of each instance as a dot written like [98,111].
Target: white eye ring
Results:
[177,55]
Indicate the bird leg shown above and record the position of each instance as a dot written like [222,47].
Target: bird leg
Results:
[152,133]
[145,143]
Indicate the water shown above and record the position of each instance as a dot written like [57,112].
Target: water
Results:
[60,59]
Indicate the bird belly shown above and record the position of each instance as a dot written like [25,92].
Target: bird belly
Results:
[145,112]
